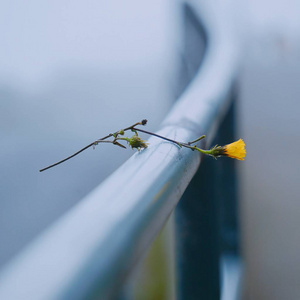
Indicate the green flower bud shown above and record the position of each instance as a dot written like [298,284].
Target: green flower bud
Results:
[136,142]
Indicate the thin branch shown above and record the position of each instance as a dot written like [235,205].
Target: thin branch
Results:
[159,136]
[197,140]
[181,144]
[121,132]
[76,153]
[101,140]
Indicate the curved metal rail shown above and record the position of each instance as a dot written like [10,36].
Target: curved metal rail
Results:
[92,248]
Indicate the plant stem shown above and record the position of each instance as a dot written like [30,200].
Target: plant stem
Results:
[197,140]
[101,140]
[134,129]
[159,136]
[180,144]
[76,153]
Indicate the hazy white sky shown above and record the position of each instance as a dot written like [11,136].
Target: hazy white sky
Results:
[39,36]
[268,14]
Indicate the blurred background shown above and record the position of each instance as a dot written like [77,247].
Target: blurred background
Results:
[269,119]
[73,71]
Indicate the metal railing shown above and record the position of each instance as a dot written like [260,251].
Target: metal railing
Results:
[91,250]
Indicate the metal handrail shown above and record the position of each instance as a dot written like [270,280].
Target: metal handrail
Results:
[92,248]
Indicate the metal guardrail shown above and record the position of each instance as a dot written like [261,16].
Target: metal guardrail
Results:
[89,252]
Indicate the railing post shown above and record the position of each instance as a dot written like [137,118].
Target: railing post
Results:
[227,184]
[207,222]
[198,237]
[227,193]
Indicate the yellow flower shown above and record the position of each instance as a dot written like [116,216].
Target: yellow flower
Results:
[234,150]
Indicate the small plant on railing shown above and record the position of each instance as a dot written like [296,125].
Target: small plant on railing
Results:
[234,150]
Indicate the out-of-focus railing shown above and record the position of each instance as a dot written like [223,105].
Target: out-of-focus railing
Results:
[91,251]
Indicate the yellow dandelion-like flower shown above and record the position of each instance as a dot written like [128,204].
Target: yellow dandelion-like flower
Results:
[234,150]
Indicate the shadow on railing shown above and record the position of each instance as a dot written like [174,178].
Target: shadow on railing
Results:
[92,251]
